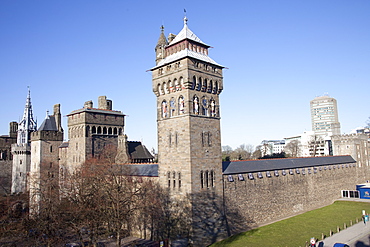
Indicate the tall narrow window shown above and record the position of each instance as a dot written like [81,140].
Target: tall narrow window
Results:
[179,178]
[212,179]
[207,181]
[201,180]
[174,179]
[181,105]
[169,179]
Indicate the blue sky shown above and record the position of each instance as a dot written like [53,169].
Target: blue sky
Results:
[279,55]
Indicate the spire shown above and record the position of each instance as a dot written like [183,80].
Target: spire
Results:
[27,124]
[161,44]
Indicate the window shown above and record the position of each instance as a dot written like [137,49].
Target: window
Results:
[51,148]
[297,171]
[250,176]
[259,175]
[207,182]
[212,179]
[179,178]
[174,179]
[268,174]
[276,173]
[241,178]
[201,180]
[230,178]
[181,105]
[283,173]
[169,179]
[164,109]
[303,171]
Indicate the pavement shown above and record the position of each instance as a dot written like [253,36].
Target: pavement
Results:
[348,235]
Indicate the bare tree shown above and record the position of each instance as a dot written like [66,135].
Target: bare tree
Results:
[226,152]
[292,148]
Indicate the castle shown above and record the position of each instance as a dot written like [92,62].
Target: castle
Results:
[226,197]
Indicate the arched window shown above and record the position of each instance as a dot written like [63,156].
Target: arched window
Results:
[212,107]
[120,131]
[215,87]
[99,130]
[165,87]
[181,105]
[204,85]
[204,106]
[115,131]
[104,130]
[196,105]
[164,109]
[210,87]
[172,107]
[177,85]
[160,91]
[174,179]
[171,86]
[181,84]
[93,130]
[194,83]
[110,131]
[169,179]
[199,84]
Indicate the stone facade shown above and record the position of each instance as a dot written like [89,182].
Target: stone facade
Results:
[264,200]
[6,158]
[44,170]
[356,145]
[90,130]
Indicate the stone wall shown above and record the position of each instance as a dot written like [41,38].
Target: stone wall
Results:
[5,176]
[265,200]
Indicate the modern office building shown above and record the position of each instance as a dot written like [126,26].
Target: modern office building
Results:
[324,116]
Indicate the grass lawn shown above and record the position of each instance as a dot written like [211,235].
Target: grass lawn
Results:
[296,230]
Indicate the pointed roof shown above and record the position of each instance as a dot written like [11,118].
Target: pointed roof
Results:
[162,41]
[49,124]
[138,151]
[27,124]
[186,33]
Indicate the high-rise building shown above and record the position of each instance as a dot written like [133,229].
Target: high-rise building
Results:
[324,116]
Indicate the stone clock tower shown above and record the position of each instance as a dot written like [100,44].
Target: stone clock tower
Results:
[187,83]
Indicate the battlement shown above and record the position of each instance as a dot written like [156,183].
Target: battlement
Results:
[47,135]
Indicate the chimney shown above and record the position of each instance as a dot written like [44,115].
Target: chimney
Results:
[58,117]
[88,104]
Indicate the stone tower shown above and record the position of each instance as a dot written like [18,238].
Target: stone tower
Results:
[44,169]
[22,149]
[90,130]
[187,83]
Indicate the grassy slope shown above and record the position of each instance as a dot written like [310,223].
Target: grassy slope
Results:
[296,230]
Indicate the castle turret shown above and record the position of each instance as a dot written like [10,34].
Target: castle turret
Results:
[22,150]
[160,47]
